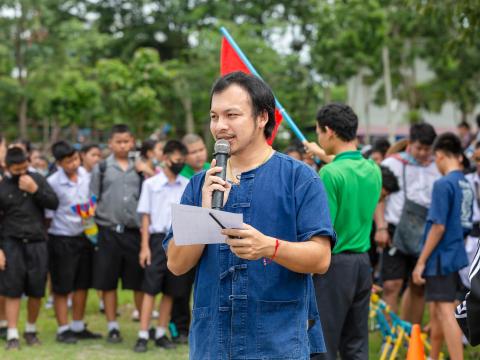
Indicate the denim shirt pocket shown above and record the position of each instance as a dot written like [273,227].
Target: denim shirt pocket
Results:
[275,340]
[200,333]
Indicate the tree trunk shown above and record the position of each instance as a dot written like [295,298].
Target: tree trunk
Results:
[20,65]
[22,117]
[55,133]
[387,79]
[183,93]
[45,132]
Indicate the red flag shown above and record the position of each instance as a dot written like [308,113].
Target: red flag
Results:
[230,62]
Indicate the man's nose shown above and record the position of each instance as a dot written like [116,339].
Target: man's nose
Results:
[222,123]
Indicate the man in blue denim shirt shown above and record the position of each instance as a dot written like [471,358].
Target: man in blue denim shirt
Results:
[253,295]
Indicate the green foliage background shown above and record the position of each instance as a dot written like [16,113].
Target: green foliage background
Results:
[72,64]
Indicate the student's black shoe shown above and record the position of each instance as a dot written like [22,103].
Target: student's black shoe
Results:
[3,333]
[67,337]
[181,339]
[31,339]
[114,336]
[151,333]
[164,342]
[141,345]
[86,334]
[12,344]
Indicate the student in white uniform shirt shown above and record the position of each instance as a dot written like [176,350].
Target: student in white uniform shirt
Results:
[416,172]
[70,252]
[471,242]
[158,194]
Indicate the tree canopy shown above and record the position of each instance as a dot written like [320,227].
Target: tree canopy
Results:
[71,64]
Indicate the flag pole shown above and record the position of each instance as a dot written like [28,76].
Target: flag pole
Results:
[250,67]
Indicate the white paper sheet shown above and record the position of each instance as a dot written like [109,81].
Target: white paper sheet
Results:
[193,224]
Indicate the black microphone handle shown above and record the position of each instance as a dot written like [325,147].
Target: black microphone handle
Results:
[217,196]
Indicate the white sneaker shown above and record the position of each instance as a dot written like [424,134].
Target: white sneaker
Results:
[155,314]
[135,315]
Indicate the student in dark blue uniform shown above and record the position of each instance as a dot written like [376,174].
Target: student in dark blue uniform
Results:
[443,254]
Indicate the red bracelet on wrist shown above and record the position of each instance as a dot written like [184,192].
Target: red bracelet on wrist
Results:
[268,261]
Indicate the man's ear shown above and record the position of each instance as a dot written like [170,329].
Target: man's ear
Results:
[330,133]
[262,120]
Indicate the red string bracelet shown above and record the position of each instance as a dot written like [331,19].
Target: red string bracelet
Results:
[268,261]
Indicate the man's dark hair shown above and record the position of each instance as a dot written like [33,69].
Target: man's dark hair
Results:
[464,124]
[119,129]
[174,145]
[340,118]
[86,148]
[147,145]
[62,149]
[389,180]
[261,96]
[449,143]
[381,145]
[423,132]
[15,156]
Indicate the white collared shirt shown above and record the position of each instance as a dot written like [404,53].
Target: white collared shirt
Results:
[64,221]
[157,198]
[419,180]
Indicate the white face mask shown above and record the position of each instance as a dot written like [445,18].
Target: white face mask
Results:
[42,172]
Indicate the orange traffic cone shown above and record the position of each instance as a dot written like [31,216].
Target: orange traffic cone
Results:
[415,348]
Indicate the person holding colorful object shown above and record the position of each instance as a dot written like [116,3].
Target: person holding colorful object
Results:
[70,252]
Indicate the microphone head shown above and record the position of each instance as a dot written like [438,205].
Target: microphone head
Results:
[222,146]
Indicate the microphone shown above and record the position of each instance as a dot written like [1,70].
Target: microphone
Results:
[221,154]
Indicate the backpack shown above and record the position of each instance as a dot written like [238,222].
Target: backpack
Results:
[102,166]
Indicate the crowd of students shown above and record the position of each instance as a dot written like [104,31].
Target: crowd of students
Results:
[46,215]
[425,197]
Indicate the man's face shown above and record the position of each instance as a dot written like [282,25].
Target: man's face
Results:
[463,131]
[325,139]
[18,169]
[121,144]
[3,151]
[158,151]
[377,156]
[383,194]
[70,164]
[439,161]
[295,155]
[420,152]
[91,157]
[197,155]
[231,118]
[35,158]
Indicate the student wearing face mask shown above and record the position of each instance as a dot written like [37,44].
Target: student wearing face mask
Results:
[158,194]
[23,249]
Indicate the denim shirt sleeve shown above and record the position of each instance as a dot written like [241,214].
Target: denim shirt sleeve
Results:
[313,216]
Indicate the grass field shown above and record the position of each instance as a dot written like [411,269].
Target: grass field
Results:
[92,350]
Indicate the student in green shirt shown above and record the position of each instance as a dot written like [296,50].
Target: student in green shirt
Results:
[197,156]
[353,186]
